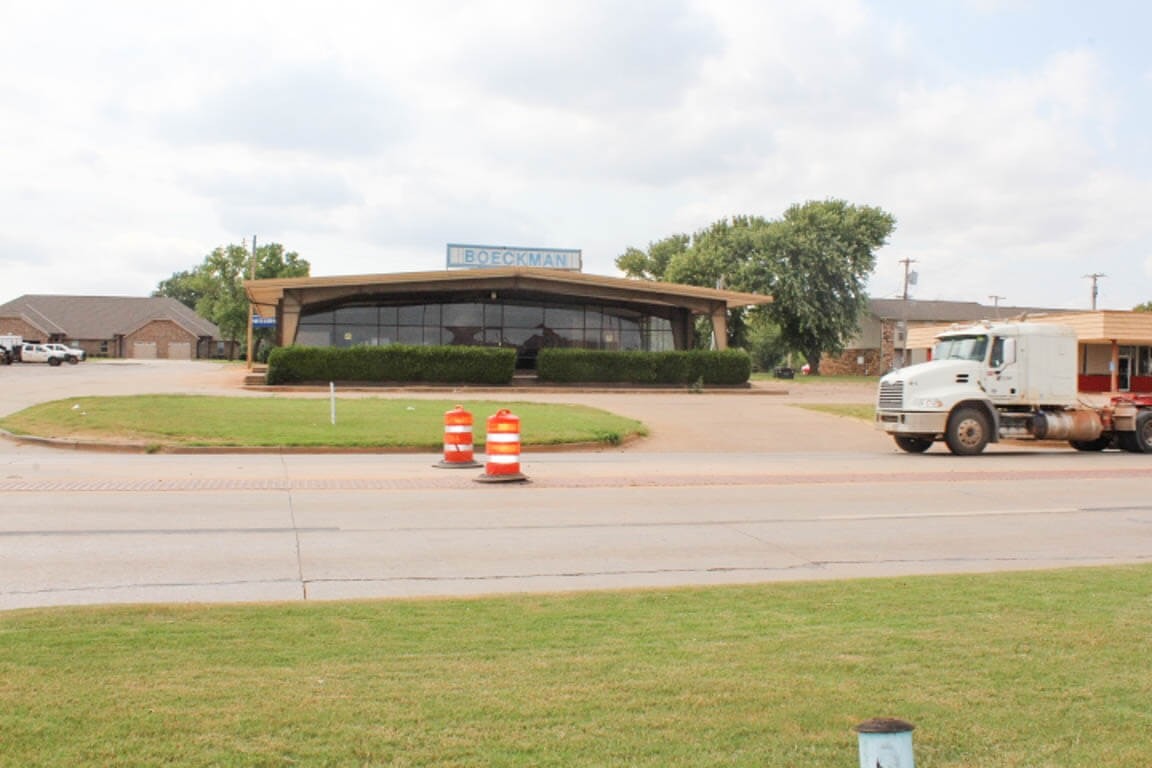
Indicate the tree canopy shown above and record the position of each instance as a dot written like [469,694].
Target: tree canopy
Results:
[215,287]
[814,261]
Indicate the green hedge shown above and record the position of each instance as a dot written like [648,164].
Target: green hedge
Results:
[730,366]
[394,362]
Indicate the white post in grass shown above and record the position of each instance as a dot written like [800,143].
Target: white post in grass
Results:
[332,397]
[885,742]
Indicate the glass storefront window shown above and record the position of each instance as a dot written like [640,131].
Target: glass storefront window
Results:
[463,315]
[410,334]
[564,317]
[518,337]
[358,335]
[314,336]
[356,316]
[523,316]
[493,315]
[323,317]
[528,326]
[410,315]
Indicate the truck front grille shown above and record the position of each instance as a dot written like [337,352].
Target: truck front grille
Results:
[891,396]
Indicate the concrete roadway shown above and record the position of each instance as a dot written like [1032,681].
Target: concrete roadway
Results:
[730,488]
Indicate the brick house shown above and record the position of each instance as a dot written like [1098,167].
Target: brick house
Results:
[881,343]
[116,326]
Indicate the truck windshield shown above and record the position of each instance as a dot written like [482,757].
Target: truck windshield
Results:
[961,348]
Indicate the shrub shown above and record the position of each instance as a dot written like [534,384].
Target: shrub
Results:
[731,366]
[392,363]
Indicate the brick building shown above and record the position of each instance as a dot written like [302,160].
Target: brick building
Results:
[116,326]
[881,344]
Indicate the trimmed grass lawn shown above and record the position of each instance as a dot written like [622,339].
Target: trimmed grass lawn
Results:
[1003,670]
[867,412]
[167,420]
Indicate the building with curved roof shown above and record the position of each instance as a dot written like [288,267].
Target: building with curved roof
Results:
[528,308]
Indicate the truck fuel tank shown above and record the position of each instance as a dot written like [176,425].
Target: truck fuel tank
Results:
[1067,425]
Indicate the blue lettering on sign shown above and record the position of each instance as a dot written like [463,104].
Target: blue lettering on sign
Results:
[475,256]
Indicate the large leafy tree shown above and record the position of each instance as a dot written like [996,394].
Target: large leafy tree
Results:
[709,258]
[653,263]
[1145,307]
[215,288]
[815,262]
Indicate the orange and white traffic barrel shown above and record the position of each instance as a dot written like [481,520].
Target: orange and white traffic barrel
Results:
[502,448]
[458,440]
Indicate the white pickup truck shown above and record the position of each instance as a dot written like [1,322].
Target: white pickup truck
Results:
[38,353]
[71,354]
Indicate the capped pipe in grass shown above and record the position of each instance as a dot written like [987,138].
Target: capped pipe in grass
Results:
[885,742]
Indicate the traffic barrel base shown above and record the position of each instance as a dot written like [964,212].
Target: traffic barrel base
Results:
[502,449]
[458,440]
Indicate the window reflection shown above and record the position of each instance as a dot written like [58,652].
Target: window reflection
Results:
[527,326]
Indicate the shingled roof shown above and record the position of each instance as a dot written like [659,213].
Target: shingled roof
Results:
[917,311]
[103,317]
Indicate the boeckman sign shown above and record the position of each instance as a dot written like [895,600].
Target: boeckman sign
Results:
[480,256]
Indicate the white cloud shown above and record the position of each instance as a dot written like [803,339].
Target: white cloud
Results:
[311,110]
[366,136]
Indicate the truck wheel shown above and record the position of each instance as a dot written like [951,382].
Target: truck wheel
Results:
[53,361]
[912,443]
[968,432]
[72,359]
[1098,444]
[1142,437]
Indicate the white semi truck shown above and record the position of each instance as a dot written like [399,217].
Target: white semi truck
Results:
[1006,380]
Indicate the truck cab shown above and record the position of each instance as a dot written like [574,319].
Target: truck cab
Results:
[983,382]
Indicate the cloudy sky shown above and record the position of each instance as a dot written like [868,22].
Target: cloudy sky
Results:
[1009,138]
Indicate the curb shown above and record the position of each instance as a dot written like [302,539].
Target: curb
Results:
[147,448]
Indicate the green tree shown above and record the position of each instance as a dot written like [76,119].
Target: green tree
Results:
[653,263]
[815,263]
[1145,307]
[215,288]
[709,259]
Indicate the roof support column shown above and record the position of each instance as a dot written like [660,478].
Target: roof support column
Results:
[288,319]
[720,326]
[1114,368]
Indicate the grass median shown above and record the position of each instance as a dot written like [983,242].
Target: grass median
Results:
[162,421]
[1000,670]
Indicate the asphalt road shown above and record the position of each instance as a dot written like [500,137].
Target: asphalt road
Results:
[730,488]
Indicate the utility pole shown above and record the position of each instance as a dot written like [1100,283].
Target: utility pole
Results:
[251,308]
[909,279]
[1095,291]
[996,304]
